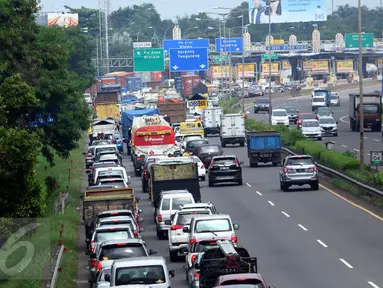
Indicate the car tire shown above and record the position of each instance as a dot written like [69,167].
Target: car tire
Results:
[314,186]
[242,143]
[173,256]
[252,164]
[211,183]
[240,182]
[223,144]
[275,163]
[186,276]
[283,187]
[203,178]
[160,235]
[335,134]
[255,112]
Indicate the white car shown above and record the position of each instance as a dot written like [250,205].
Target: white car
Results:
[334,99]
[201,167]
[328,126]
[311,129]
[177,237]
[280,117]
[318,102]
[188,137]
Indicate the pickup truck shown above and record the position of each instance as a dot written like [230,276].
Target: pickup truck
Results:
[264,147]
[97,201]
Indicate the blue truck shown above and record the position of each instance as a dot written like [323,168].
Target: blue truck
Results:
[264,147]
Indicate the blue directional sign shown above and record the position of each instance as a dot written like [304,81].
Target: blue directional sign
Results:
[189,59]
[185,43]
[287,47]
[228,45]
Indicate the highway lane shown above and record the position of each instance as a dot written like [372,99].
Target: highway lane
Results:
[346,139]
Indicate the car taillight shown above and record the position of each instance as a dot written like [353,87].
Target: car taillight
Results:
[135,232]
[93,262]
[312,169]
[145,173]
[140,159]
[192,241]
[113,213]
[236,162]
[88,155]
[99,266]
[193,258]
[196,276]
[234,238]
[202,166]
[121,244]
[287,169]
[92,246]
[92,183]
[159,218]
[211,163]
[176,227]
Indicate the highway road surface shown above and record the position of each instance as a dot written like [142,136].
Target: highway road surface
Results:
[302,238]
[346,139]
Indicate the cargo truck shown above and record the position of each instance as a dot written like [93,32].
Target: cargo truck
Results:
[212,120]
[108,97]
[232,129]
[98,201]
[264,147]
[173,176]
[372,111]
[107,109]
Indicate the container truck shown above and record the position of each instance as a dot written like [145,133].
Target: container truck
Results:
[372,111]
[232,129]
[107,109]
[121,77]
[264,147]
[187,84]
[212,120]
[108,97]
[133,83]
[175,110]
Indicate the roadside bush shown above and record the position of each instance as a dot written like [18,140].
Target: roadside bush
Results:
[226,104]
[289,138]
[339,161]
[309,147]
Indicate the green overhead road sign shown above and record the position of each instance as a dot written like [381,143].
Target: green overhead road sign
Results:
[148,60]
[352,40]
[219,59]
[266,56]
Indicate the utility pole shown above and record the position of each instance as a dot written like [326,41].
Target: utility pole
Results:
[100,27]
[361,108]
[269,44]
[243,66]
[106,8]
[230,70]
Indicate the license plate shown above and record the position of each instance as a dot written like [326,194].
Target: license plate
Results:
[225,168]
[265,155]
[300,170]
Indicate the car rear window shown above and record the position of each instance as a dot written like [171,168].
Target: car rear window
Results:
[185,218]
[106,149]
[306,116]
[165,204]
[300,161]
[254,283]
[226,160]
[108,157]
[111,173]
[192,137]
[210,149]
[262,101]
[119,252]
[310,124]
[176,202]
[114,182]
[215,225]
[318,100]
[204,246]
[194,143]
[111,235]
[154,274]
[179,138]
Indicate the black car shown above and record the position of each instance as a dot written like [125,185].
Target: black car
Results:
[261,105]
[191,146]
[292,113]
[255,91]
[225,169]
[207,152]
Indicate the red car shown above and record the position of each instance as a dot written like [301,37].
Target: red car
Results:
[253,279]
[304,116]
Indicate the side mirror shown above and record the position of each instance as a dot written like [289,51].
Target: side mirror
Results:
[140,211]
[172,273]
[142,230]
[140,220]
[93,256]
[185,230]
[236,226]
[168,222]
[107,277]
[152,251]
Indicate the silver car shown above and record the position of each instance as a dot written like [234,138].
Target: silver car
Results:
[299,170]
[100,278]
[328,126]
[334,99]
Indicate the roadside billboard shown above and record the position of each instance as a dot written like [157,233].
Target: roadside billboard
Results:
[380,63]
[248,71]
[286,65]
[319,67]
[306,65]
[287,11]
[219,72]
[344,66]
[64,20]
[274,69]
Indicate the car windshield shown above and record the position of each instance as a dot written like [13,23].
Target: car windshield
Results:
[310,124]
[280,113]
[117,183]
[106,235]
[223,161]
[262,101]
[320,93]
[324,113]
[176,202]
[210,149]
[306,116]
[204,246]
[291,110]
[370,109]
[300,161]
[334,97]
[194,143]
[192,137]
[185,218]
[119,252]
[108,157]
[215,225]
[318,99]
[327,121]
[140,275]
[254,283]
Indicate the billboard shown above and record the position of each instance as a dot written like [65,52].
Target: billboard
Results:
[287,11]
[344,66]
[248,71]
[286,65]
[274,68]
[64,20]
[217,72]
[319,67]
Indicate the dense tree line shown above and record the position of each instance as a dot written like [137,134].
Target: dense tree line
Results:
[43,73]
[126,22]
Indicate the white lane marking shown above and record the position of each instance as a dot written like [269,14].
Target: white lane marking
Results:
[373,284]
[302,227]
[365,137]
[356,150]
[344,146]
[321,243]
[284,213]
[271,203]
[259,193]
[376,140]
[368,154]
[346,263]
[248,184]
[344,121]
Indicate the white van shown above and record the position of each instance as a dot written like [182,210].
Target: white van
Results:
[317,102]
[112,170]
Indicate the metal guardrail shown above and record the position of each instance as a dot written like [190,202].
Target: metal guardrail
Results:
[331,172]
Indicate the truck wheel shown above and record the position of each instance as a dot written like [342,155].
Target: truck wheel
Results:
[275,163]
[211,183]
[223,144]
[252,164]
[378,128]
[173,256]
[242,143]
[314,186]
[283,187]
[137,173]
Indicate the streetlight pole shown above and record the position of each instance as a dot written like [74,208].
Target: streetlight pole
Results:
[138,33]
[196,27]
[166,31]
[243,67]
[361,108]
[269,44]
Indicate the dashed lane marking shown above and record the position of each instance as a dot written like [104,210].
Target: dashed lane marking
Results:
[343,120]
[302,227]
[376,140]
[373,284]
[344,146]
[284,213]
[248,184]
[259,193]
[271,203]
[346,263]
[321,243]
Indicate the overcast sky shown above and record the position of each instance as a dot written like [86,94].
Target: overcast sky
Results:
[173,8]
